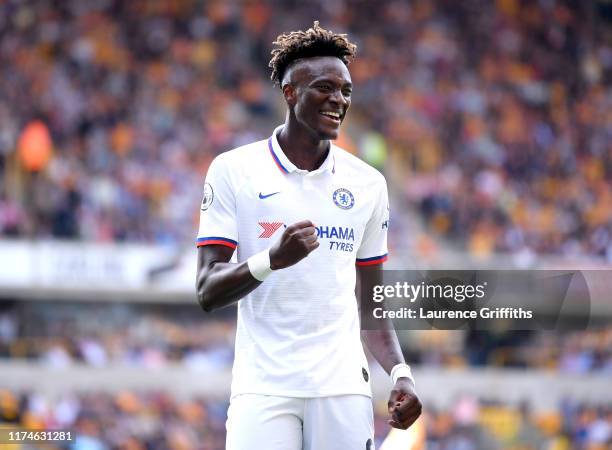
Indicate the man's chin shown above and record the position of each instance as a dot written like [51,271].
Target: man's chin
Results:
[329,135]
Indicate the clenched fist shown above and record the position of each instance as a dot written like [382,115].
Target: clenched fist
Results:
[297,241]
[404,405]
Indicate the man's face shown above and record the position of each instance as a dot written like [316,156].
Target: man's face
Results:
[322,95]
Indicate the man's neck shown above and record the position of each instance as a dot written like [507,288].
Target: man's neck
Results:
[301,149]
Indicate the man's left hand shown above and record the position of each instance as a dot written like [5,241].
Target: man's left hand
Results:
[404,405]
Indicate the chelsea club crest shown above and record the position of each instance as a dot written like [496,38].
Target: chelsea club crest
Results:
[343,198]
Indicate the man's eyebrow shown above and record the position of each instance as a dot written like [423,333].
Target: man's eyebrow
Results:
[331,80]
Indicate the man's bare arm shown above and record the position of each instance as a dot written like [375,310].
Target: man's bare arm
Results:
[404,405]
[220,283]
[383,343]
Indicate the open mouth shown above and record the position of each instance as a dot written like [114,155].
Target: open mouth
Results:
[335,117]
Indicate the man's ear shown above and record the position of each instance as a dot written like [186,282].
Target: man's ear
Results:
[290,94]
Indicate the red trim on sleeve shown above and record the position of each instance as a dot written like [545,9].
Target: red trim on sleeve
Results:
[217,241]
[371,261]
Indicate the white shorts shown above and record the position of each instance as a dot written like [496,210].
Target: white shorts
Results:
[343,422]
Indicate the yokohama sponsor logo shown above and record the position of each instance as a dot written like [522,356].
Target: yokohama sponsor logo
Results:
[269,228]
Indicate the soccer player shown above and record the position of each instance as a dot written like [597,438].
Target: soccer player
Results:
[306,220]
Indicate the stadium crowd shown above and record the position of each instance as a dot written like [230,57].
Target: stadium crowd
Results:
[134,335]
[110,335]
[156,420]
[474,424]
[126,420]
[492,118]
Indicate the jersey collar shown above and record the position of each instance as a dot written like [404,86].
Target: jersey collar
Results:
[286,166]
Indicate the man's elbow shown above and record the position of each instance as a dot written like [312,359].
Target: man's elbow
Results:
[206,307]
[204,299]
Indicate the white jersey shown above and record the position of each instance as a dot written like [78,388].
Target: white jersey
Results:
[298,333]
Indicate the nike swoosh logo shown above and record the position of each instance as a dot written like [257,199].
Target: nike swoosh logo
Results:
[261,196]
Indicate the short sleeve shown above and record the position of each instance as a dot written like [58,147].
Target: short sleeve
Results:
[218,209]
[373,248]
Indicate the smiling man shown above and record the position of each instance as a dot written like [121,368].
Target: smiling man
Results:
[306,220]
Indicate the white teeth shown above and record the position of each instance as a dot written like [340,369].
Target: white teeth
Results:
[331,114]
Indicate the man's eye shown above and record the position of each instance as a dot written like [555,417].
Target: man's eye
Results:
[347,93]
[324,87]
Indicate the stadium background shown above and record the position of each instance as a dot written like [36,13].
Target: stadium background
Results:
[492,121]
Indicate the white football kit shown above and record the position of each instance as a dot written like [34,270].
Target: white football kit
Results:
[298,333]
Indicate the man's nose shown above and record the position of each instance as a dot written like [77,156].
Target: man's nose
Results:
[339,98]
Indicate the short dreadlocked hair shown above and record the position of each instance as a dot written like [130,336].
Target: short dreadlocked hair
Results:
[315,41]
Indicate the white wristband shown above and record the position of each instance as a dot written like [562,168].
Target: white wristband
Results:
[259,265]
[401,371]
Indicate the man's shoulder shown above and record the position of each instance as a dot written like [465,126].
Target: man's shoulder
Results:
[357,167]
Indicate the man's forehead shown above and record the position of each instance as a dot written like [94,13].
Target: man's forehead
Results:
[307,69]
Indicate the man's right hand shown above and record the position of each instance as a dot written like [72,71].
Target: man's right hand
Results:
[297,241]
